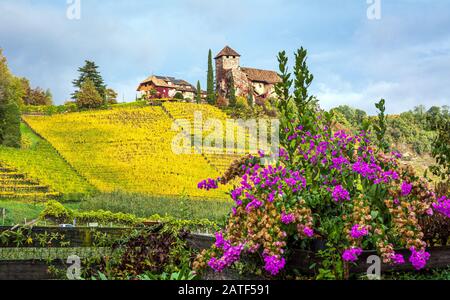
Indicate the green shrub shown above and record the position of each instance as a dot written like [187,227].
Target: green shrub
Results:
[11,136]
[56,212]
[178,96]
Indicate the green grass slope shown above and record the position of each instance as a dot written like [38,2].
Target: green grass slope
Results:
[40,161]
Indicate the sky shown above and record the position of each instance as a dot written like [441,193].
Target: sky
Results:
[402,55]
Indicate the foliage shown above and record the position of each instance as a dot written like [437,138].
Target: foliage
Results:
[111,96]
[36,96]
[381,126]
[89,72]
[10,125]
[210,90]
[441,144]
[40,161]
[325,184]
[232,92]
[88,96]
[241,102]
[147,205]
[11,97]
[183,275]
[178,96]
[198,96]
[56,212]
[151,253]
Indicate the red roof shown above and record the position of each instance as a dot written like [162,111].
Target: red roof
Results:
[227,51]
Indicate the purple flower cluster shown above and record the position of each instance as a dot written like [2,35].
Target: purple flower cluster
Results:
[274,264]
[359,231]
[287,218]
[398,259]
[352,254]
[443,206]
[208,184]
[406,188]
[419,258]
[374,172]
[340,194]
[339,163]
[308,232]
[231,254]
[253,204]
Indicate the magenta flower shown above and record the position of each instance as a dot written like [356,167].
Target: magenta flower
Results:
[398,259]
[406,189]
[443,206]
[359,231]
[274,265]
[209,184]
[287,218]
[339,193]
[419,258]
[308,232]
[352,254]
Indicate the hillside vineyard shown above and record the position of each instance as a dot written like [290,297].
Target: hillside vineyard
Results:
[129,149]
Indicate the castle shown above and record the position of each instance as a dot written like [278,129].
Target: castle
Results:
[247,81]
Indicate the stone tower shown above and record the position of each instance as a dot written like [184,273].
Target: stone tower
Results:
[226,60]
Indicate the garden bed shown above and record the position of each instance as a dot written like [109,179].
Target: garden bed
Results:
[302,260]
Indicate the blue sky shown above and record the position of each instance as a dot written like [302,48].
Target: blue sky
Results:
[403,57]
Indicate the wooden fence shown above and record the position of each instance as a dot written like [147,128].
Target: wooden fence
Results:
[80,239]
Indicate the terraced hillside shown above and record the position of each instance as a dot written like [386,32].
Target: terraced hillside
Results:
[187,111]
[43,167]
[126,149]
[16,185]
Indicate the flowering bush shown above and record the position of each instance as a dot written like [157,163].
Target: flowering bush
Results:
[327,185]
[344,182]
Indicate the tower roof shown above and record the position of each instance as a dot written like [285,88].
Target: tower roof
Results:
[227,51]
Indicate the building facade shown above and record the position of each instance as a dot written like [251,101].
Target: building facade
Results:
[157,87]
[247,81]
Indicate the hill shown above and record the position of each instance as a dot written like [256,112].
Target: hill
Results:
[37,171]
[129,149]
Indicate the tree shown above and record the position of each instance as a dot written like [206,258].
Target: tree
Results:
[381,126]
[88,96]
[111,96]
[49,97]
[211,94]
[36,96]
[12,92]
[440,122]
[178,96]
[198,97]
[11,136]
[90,71]
[232,92]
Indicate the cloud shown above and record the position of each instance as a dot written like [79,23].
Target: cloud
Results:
[404,57]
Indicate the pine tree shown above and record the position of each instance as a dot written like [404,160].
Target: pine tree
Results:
[88,96]
[232,93]
[211,95]
[198,97]
[90,71]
